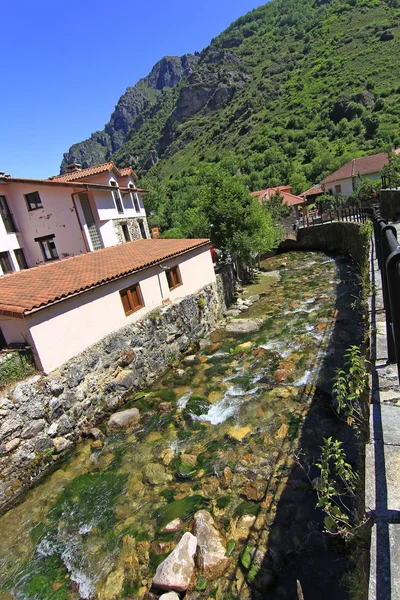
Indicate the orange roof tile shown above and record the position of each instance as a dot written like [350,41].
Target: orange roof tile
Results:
[363,166]
[312,191]
[95,170]
[287,198]
[27,291]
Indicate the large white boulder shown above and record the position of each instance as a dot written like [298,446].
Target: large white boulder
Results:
[176,571]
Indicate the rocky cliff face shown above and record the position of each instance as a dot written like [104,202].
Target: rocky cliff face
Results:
[130,111]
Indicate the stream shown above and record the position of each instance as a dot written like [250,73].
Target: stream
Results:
[222,430]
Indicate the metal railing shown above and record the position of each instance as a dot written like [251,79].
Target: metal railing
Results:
[388,256]
[355,214]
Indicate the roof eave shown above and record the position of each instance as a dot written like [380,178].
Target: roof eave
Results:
[27,312]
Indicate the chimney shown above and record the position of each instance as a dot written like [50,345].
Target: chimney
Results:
[72,168]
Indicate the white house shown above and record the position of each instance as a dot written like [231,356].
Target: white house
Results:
[83,210]
[346,179]
[62,307]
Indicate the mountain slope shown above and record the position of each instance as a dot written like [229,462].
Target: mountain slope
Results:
[127,116]
[286,94]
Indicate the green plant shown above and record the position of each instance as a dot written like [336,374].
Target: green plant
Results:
[16,366]
[336,488]
[349,386]
[201,302]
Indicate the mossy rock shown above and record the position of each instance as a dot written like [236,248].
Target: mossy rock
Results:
[245,557]
[230,546]
[201,584]
[246,508]
[180,509]
[184,470]
[198,405]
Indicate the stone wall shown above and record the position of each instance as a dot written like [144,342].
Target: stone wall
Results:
[389,203]
[42,417]
[342,237]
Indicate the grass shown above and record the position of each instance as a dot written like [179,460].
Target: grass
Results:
[15,367]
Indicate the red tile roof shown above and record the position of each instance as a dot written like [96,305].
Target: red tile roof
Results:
[287,197]
[363,166]
[313,191]
[95,170]
[27,291]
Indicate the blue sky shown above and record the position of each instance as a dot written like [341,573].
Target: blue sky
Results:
[65,65]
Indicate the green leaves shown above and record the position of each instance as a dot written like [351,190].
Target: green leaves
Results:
[335,487]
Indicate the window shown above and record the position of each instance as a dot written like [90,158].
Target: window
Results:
[125,232]
[142,230]
[174,278]
[47,247]
[5,263]
[21,260]
[6,216]
[135,199]
[338,189]
[117,198]
[33,201]
[132,299]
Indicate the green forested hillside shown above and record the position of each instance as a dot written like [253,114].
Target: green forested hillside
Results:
[285,95]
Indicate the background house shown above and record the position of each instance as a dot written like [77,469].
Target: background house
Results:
[285,191]
[311,195]
[78,212]
[62,308]
[347,178]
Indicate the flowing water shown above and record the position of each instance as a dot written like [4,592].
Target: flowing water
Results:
[218,431]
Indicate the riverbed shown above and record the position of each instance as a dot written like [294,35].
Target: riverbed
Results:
[231,429]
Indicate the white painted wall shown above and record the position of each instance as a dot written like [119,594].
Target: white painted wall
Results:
[61,331]
[15,330]
[347,184]
[57,217]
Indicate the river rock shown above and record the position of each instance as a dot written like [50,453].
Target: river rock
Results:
[238,433]
[226,478]
[241,529]
[123,418]
[156,474]
[169,596]
[210,555]
[244,325]
[167,455]
[176,571]
[254,491]
[174,525]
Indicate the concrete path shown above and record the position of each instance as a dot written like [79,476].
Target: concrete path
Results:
[382,493]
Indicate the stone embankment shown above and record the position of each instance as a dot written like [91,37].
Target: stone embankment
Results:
[42,417]
[331,237]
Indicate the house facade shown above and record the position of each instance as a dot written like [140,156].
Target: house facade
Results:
[61,308]
[70,214]
[346,179]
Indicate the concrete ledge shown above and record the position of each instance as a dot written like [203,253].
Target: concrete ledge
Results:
[384,582]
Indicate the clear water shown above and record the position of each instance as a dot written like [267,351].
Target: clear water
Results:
[95,527]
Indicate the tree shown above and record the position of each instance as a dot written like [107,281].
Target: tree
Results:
[209,202]
[391,171]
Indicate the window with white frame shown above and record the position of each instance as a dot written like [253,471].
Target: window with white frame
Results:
[117,198]
[48,247]
[134,198]
[5,263]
